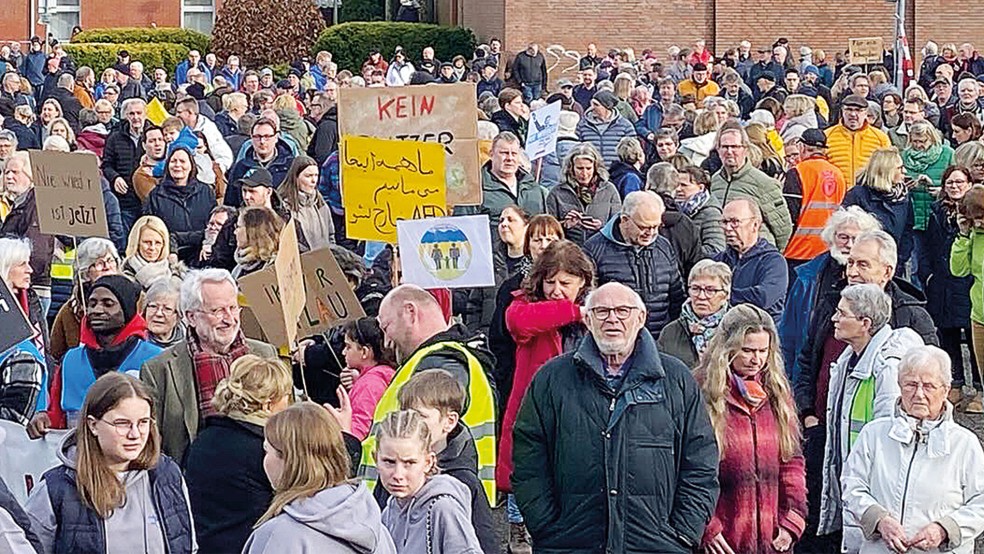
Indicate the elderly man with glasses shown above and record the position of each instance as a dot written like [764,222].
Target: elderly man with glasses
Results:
[182,379]
[655,455]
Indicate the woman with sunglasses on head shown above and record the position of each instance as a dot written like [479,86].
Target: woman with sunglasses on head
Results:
[114,492]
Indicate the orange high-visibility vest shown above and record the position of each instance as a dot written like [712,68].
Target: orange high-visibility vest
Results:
[823,191]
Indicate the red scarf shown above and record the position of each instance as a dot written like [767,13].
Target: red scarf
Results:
[749,392]
[211,368]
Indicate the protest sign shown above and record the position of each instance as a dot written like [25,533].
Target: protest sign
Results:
[438,113]
[541,137]
[449,252]
[69,195]
[385,181]
[16,327]
[290,281]
[328,300]
[866,50]
[23,461]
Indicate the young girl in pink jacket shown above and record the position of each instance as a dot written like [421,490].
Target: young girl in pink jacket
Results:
[368,370]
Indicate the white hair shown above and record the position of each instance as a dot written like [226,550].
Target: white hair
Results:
[636,299]
[191,288]
[89,251]
[924,356]
[55,143]
[851,215]
[13,252]
[869,301]
[888,252]
[634,200]
[163,288]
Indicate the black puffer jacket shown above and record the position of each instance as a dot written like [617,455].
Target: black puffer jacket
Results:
[627,471]
[908,310]
[22,222]
[121,157]
[185,210]
[653,271]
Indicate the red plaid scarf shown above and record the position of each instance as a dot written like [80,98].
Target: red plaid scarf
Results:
[211,368]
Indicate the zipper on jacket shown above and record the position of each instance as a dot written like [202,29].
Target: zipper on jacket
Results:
[908,471]
[758,480]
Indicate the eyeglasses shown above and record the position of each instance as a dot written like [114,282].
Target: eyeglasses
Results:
[601,313]
[840,314]
[699,291]
[123,426]
[730,146]
[912,386]
[644,228]
[734,222]
[104,264]
[218,313]
[263,137]
[166,310]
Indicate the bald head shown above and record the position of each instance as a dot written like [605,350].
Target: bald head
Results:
[408,316]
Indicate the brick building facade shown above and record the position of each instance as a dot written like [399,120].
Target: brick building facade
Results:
[659,24]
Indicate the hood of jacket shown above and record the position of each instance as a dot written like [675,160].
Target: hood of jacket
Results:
[620,168]
[477,343]
[284,155]
[611,232]
[347,513]
[702,144]
[404,516]
[67,452]
[936,434]
[460,453]
[760,248]
[904,293]
[591,117]
[644,364]
[98,129]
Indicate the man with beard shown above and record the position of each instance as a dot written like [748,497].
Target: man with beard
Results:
[216,221]
[113,337]
[183,378]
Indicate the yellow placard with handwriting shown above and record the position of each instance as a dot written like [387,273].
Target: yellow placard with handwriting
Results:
[384,181]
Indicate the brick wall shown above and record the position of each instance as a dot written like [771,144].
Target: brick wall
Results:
[943,21]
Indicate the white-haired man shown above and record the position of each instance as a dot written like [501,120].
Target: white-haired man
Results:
[182,379]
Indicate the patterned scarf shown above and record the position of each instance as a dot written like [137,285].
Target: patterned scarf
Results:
[701,328]
[210,368]
[750,391]
[585,193]
[690,206]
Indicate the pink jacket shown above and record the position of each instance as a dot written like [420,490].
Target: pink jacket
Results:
[365,394]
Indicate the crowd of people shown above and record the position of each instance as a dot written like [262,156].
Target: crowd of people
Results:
[730,312]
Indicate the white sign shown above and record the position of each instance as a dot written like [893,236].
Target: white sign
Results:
[23,461]
[541,136]
[448,252]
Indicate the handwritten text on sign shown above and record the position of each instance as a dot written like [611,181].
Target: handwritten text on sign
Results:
[422,113]
[384,181]
[69,194]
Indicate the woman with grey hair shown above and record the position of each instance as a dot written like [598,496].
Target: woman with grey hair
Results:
[585,199]
[94,258]
[863,387]
[971,155]
[913,479]
[708,291]
[162,313]
[22,365]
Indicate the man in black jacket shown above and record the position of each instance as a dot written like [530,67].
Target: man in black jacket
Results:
[529,69]
[614,450]
[121,157]
[22,222]
[630,250]
[64,93]
[324,115]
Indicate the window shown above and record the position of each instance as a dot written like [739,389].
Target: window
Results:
[63,15]
[198,15]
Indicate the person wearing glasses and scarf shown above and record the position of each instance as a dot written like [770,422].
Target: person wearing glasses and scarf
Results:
[687,337]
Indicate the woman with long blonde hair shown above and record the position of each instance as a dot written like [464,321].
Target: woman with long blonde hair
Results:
[228,489]
[315,507]
[882,191]
[762,503]
[257,239]
[114,492]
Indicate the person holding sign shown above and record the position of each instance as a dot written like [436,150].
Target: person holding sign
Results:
[183,203]
[22,366]
[22,221]
[113,491]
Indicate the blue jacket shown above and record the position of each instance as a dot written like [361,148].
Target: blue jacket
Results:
[77,374]
[33,68]
[759,278]
[896,218]
[650,121]
[800,300]
[234,79]
[181,73]
[277,167]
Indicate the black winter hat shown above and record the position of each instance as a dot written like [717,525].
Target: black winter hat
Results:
[126,292]
[196,91]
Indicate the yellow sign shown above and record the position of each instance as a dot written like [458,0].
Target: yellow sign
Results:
[384,181]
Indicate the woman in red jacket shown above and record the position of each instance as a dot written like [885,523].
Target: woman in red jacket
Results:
[762,505]
[545,320]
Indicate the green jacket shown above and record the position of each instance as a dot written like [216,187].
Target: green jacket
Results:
[496,196]
[967,258]
[932,165]
[753,184]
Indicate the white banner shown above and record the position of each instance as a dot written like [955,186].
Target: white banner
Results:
[23,461]
[450,252]
[541,136]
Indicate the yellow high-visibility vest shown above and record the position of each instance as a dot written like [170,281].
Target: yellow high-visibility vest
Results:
[479,416]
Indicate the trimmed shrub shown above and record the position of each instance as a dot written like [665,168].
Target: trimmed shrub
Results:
[350,43]
[99,56]
[193,40]
[266,32]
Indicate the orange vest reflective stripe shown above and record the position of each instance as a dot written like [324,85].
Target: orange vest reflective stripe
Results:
[823,191]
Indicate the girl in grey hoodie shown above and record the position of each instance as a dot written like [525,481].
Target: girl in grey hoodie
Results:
[315,509]
[426,513]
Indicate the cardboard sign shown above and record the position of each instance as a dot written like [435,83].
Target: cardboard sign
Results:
[287,267]
[69,194]
[16,327]
[541,137]
[328,300]
[866,50]
[438,113]
[389,180]
[449,252]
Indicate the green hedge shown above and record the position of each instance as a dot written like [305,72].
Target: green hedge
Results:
[193,40]
[100,56]
[350,43]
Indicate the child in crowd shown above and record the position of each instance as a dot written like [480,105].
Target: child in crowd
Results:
[369,368]
[427,513]
[439,398]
